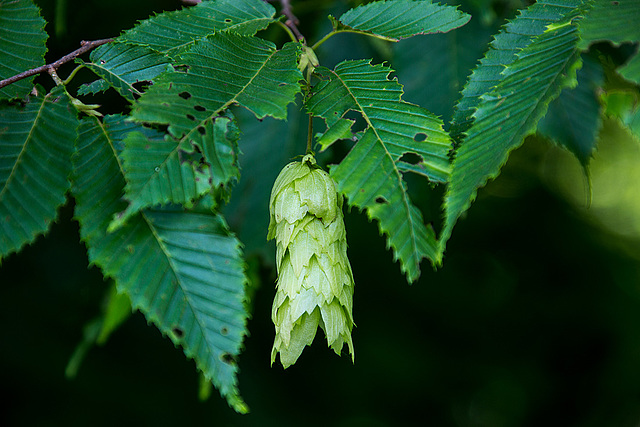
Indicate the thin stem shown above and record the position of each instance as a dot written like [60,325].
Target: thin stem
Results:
[310,135]
[85,46]
[288,30]
[334,32]
[310,127]
[324,39]
[72,74]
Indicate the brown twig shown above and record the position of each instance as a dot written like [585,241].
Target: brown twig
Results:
[85,46]
[292,21]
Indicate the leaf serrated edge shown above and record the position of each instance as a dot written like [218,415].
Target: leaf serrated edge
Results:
[493,94]
[416,251]
[234,399]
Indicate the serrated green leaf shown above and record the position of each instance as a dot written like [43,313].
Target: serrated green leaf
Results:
[223,70]
[161,170]
[614,21]
[36,143]
[433,68]
[574,118]
[340,130]
[219,145]
[200,157]
[371,175]
[122,65]
[22,43]
[510,112]
[610,21]
[261,160]
[631,70]
[94,87]
[182,268]
[399,19]
[515,35]
[175,32]
[624,106]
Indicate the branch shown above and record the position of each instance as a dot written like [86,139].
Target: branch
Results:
[85,46]
[292,20]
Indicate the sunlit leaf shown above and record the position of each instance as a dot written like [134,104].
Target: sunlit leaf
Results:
[505,115]
[515,35]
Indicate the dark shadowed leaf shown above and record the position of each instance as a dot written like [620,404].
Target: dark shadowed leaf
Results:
[371,175]
[182,268]
[22,44]
[122,65]
[36,143]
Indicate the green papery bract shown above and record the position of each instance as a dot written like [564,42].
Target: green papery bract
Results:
[315,282]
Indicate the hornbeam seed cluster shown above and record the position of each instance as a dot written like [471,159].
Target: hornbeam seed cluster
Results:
[315,282]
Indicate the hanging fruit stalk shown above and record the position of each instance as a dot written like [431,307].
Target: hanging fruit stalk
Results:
[315,282]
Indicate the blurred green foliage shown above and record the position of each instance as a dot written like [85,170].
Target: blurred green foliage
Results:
[532,320]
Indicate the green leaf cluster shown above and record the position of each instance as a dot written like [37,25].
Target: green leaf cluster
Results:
[529,72]
[152,185]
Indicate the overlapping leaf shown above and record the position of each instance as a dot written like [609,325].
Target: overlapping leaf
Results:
[36,143]
[433,69]
[182,268]
[371,175]
[22,44]
[574,118]
[248,209]
[219,71]
[160,170]
[516,35]
[511,111]
[175,32]
[222,70]
[122,65]
[613,21]
[631,70]
[624,106]
[399,19]
[616,22]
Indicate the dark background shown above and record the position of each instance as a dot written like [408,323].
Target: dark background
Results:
[532,320]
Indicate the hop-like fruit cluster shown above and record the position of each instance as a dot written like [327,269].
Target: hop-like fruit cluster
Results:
[315,282]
